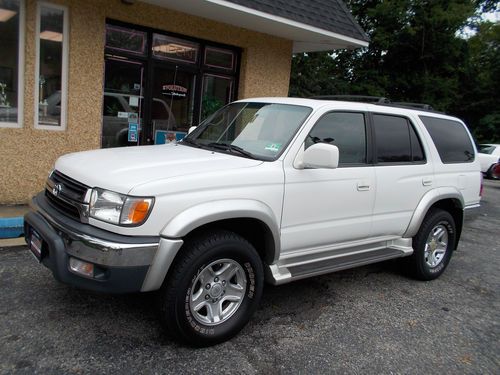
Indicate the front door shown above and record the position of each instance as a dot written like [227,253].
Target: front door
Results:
[323,207]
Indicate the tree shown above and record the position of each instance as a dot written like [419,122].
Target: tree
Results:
[415,54]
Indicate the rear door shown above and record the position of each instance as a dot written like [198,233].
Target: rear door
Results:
[403,172]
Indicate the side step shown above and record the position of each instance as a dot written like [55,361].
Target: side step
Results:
[335,259]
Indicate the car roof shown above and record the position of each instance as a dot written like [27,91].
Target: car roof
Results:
[349,105]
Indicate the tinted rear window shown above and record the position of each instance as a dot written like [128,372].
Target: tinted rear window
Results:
[451,140]
[396,140]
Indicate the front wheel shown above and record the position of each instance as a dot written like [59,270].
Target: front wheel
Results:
[432,245]
[213,289]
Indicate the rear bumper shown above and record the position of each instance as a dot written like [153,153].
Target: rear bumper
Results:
[121,263]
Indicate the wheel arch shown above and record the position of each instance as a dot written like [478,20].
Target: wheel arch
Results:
[253,220]
[448,199]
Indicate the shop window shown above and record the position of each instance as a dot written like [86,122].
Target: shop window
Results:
[11,62]
[165,47]
[125,40]
[217,91]
[219,58]
[52,66]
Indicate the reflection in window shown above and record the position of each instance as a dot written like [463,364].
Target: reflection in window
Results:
[174,49]
[125,40]
[218,58]
[216,93]
[344,130]
[51,69]
[10,66]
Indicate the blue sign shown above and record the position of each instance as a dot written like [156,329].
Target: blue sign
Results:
[168,136]
[133,132]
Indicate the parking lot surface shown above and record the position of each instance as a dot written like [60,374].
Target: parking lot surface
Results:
[367,320]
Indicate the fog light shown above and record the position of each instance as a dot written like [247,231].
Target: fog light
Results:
[80,267]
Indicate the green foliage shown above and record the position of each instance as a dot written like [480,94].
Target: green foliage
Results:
[416,54]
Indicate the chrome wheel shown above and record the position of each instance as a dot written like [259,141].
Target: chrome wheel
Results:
[436,245]
[217,292]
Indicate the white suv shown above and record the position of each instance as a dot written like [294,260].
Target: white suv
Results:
[275,189]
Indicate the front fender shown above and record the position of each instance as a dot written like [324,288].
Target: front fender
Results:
[209,212]
[431,197]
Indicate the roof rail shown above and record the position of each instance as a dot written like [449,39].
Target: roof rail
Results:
[354,98]
[379,100]
[415,105]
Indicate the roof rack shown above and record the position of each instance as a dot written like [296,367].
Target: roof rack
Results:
[379,100]
[415,105]
[354,98]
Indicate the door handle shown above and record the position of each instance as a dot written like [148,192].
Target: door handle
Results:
[363,186]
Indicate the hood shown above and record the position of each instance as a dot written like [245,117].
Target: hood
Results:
[120,169]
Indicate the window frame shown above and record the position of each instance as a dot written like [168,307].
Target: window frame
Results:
[411,124]
[368,138]
[20,70]
[64,66]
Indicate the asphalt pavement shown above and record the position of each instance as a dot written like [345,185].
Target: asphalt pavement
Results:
[363,321]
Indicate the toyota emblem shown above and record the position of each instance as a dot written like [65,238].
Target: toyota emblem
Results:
[56,189]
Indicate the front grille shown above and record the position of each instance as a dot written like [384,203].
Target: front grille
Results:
[66,195]
[62,206]
[71,189]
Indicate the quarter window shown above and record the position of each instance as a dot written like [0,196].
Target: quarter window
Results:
[396,140]
[451,139]
[347,131]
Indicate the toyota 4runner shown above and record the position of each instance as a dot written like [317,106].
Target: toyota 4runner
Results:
[275,189]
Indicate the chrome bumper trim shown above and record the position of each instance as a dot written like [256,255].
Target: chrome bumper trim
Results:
[98,250]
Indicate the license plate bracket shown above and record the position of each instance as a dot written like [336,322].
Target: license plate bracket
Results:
[36,244]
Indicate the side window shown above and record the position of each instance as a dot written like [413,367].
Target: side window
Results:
[392,139]
[451,139]
[347,131]
[396,140]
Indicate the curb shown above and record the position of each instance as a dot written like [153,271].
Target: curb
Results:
[11,227]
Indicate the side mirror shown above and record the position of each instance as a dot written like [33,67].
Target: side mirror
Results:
[191,129]
[321,155]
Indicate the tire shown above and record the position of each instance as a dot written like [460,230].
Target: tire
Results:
[199,300]
[432,245]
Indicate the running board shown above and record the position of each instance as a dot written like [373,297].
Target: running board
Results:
[335,259]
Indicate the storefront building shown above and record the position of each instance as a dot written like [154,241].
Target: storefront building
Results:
[79,75]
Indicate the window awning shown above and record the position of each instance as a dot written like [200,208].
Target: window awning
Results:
[312,25]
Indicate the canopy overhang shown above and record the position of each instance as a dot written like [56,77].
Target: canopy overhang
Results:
[306,38]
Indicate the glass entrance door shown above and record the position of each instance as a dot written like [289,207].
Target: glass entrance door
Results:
[172,103]
[123,102]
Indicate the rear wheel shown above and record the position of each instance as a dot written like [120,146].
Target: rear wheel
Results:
[432,245]
[214,288]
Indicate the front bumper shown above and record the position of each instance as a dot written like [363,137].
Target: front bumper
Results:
[122,262]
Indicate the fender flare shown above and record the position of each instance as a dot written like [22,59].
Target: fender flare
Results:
[209,212]
[431,197]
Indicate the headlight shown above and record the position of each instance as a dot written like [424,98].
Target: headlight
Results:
[118,208]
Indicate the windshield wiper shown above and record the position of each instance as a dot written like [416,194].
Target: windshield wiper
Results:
[232,148]
[189,141]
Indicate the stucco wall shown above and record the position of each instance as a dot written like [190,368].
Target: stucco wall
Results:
[27,154]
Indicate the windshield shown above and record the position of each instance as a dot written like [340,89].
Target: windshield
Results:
[258,130]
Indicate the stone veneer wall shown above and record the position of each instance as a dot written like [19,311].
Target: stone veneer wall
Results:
[27,154]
